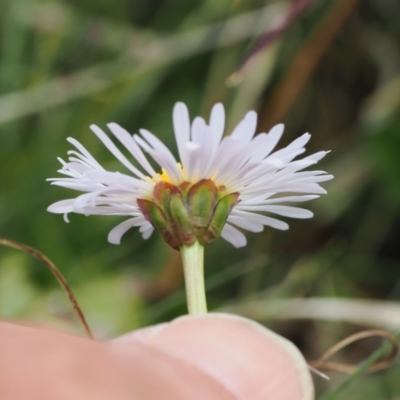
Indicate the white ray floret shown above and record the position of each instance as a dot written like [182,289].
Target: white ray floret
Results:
[242,162]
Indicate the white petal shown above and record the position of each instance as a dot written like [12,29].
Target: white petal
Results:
[198,127]
[127,140]
[146,230]
[181,123]
[315,179]
[303,174]
[84,200]
[114,150]
[163,153]
[162,159]
[217,124]
[294,149]
[289,187]
[226,150]
[118,180]
[263,219]
[85,153]
[108,210]
[249,225]
[81,159]
[281,200]
[274,223]
[233,236]
[265,143]
[294,187]
[76,185]
[77,167]
[317,156]
[274,135]
[246,128]
[61,207]
[193,152]
[116,233]
[285,211]
[202,136]
[299,142]
[254,176]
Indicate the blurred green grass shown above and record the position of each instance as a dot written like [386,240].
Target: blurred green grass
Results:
[65,65]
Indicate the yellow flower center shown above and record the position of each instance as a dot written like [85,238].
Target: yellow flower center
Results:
[163,176]
[166,178]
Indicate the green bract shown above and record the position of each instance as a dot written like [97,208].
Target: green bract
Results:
[186,213]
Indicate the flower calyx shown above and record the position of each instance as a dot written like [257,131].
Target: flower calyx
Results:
[188,212]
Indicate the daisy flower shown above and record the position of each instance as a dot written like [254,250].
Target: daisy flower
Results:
[220,186]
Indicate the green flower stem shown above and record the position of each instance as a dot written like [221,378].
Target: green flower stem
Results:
[193,266]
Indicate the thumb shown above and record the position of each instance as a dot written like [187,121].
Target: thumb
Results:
[219,356]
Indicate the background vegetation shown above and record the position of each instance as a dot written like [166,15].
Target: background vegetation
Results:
[335,72]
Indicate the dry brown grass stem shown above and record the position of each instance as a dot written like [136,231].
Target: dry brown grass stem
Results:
[304,64]
[323,364]
[60,278]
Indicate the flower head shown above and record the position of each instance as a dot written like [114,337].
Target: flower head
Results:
[219,185]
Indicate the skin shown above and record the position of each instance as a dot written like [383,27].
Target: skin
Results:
[215,356]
